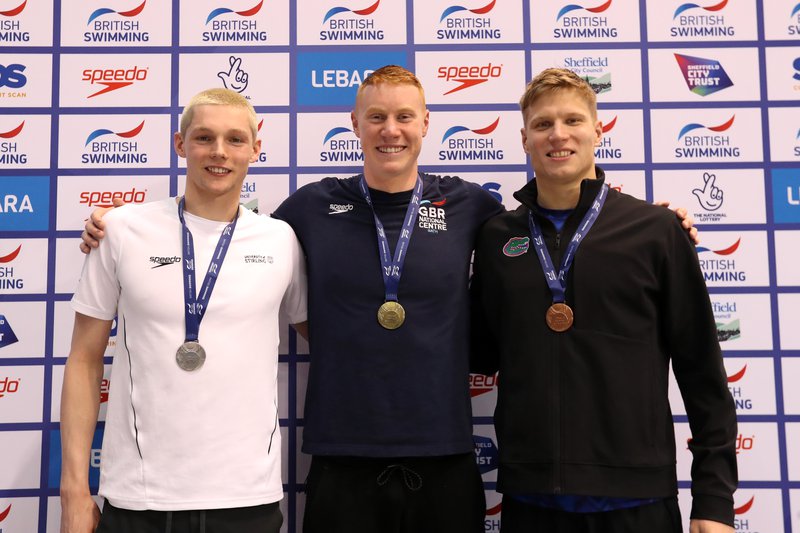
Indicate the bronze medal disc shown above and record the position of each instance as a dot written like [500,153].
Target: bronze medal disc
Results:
[190,356]
[391,315]
[559,317]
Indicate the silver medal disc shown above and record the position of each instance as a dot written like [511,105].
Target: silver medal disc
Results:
[190,356]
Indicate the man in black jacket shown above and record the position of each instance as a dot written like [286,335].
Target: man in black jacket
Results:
[582,297]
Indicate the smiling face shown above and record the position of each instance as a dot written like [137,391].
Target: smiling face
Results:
[391,120]
[560,133]
[218,146]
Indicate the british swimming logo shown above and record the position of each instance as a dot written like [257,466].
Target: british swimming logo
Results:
[479,146]
[342,145]
[463,23]
[228,25]
[693,20]
[106,26]
[589,25]
[11,30]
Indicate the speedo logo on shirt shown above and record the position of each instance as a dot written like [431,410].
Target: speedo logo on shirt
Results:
[164,261]
[337,209]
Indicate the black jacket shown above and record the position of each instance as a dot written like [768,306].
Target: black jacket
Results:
[586,411]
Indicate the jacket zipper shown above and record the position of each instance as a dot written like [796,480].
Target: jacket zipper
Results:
[557,382]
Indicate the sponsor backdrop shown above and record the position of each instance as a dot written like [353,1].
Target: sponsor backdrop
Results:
[698,102]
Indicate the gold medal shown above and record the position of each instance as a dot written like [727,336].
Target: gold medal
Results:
[559,317]
[391,315]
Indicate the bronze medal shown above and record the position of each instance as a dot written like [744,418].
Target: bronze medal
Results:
[391,315]
[190,356]
[559,317]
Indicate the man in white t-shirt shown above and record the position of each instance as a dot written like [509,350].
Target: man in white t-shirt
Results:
[191,439]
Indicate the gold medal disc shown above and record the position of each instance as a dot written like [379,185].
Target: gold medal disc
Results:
[391,315]
[559,317]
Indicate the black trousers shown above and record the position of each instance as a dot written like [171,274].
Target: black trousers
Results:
[258,519]
[661,517]
[394,495]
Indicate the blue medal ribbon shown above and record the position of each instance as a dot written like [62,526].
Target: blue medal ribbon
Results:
[196,306]
[393,265]
[557,282]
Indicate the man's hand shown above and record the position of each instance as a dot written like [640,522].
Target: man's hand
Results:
[707,526]
[686,221]
[79,514]
[93,230]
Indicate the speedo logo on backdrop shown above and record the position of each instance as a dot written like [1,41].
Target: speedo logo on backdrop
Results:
[105,198]
[11,30]
[579,22]
[103,147]
[468,75]
[693,20]
[342,23]
[461,23]
[112,79]
[462,143]
[340,144]
[107,25]
[225,24]
[10,154]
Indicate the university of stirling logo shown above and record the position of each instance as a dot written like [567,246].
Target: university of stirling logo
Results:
[517,246]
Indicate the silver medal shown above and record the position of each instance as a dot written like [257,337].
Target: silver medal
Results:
[190,356]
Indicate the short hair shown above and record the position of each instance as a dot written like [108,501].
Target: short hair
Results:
[219,96]
[392,74]
[552,80]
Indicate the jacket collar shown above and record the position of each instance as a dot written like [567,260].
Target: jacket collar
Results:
[589,187]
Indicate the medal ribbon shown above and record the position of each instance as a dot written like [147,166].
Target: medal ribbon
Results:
[393,266]
[557,282]
[196,305]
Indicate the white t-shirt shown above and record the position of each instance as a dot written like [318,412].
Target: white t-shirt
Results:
[208,439]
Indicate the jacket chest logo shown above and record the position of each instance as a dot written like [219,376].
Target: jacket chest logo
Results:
[517,246]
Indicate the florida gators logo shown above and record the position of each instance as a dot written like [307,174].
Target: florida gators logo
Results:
[517,246]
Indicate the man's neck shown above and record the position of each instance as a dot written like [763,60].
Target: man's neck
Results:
[391,184]
[559,195]
[221,209]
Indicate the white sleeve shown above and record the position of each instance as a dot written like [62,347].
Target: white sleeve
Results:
[293,307]
[98,288]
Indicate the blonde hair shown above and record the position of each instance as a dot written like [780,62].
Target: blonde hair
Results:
[552,80]
[392,74]
[218,96]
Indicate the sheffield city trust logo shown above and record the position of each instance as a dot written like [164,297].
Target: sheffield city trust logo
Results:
[360,12]
[517,246]
[7,335]
[107,10]
[703,76]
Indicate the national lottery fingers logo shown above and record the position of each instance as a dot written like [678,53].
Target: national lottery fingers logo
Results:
[235,78]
